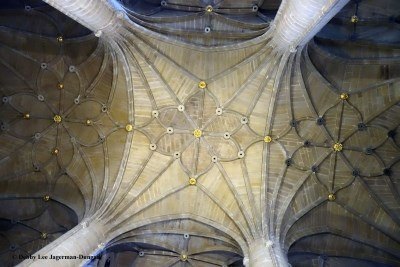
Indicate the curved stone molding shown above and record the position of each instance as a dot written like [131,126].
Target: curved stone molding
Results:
[187,147]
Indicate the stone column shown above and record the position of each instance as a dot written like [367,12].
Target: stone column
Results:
[264,253]
[100,16]
[297,21]
[81,240]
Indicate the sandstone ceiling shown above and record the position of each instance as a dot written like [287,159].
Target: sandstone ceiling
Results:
[200,133]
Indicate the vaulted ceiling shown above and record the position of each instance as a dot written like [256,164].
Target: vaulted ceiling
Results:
[187,136]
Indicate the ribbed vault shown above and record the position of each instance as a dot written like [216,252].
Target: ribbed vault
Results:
[61,136]
[203,133]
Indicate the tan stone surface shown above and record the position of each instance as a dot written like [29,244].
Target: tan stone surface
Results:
[161,171]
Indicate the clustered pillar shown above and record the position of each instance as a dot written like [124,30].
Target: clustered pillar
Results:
[100,16]
[297,21]
[265,253]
